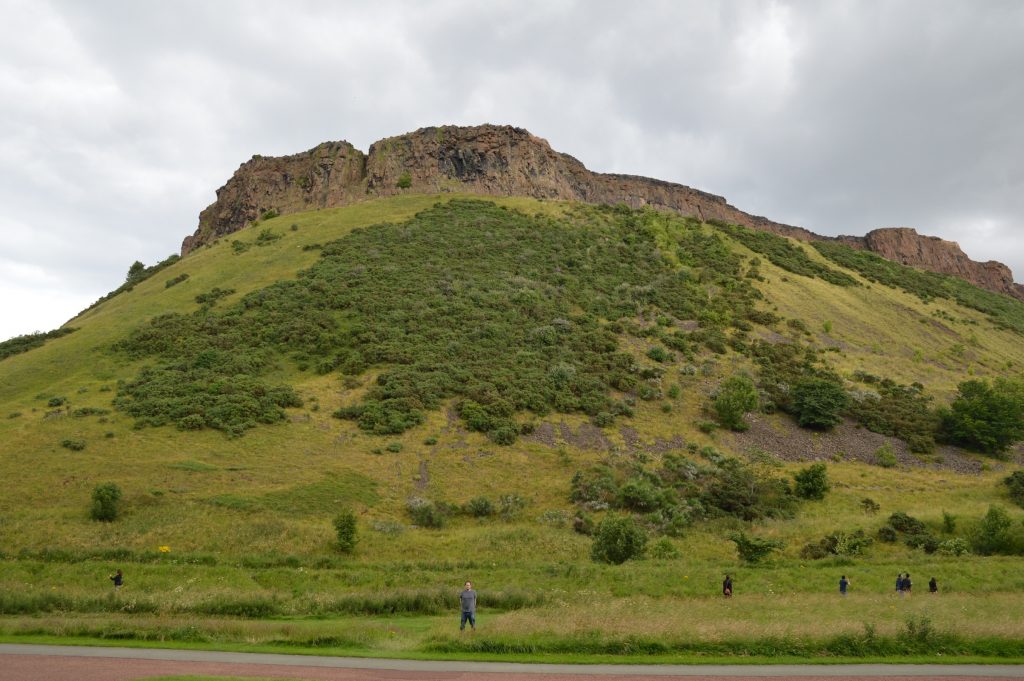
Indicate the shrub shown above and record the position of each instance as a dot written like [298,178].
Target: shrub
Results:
[106,499]
[992,536]
[838,543]
[583,524]
[660,354]
[174,281]
[736,396]
[425,513]
[394,447]
[664,549]
[885,456]
[1015,485]
[752,550]
[985,417]
[618,539]
[888,534]
[954,547]
[345,529]
[901,522]
[812,482]
[479,507]
[603,419]
[817,403]
[56,401]
[870,506]
[948,522]
[404,180]
[510,505]
[74,445]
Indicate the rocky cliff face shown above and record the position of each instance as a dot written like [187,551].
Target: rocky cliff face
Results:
[905,246]
[507,161]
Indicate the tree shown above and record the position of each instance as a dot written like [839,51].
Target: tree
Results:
[135,270]
[1015,483]
[986,417]
[735,397]
[404,180]
[993,533]
[106,499]
[618,539]
[751,549]
[817,403]
[812,482]
[345,528]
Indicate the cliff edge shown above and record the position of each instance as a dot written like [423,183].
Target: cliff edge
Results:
[497,160]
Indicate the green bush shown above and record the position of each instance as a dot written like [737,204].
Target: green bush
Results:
[812,482]
[19,344]
[618,539]
[838,543]
[664,549]
[479,507]
[75,445]
[404,180]
[992,536]
[954,547]
[985,417]
[426,513]
[106,499]
[818,403]
[346,531]
[736,396]
[174,281]
[752,550]
[1015,485]
[870,506]
[885,456]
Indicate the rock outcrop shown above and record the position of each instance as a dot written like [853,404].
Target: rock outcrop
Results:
[905,246]
[507,161]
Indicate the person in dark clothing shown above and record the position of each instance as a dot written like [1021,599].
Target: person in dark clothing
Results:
[907,584]
[727,587]
[933,586]
[467,599]
[118,579]
[899,584]
[844,583]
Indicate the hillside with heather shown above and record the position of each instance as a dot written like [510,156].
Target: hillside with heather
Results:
[339,415]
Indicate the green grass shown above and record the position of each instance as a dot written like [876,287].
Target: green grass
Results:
[247,521]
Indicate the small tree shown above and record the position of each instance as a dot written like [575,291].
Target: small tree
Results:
[993,533]
[817,403]
[736,396]
[752,549]
[618,539]
[404,180]
[984,417]
[135,270]
[870,506]
[812,482]
[345,528]
[106,499]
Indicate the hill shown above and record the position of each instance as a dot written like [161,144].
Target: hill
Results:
[494,160]
[482,383]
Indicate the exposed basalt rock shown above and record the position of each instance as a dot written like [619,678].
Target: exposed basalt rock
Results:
[905,246]
[506,161]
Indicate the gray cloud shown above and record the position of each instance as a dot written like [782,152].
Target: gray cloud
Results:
[122,118]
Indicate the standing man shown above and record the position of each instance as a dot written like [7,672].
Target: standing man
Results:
[844,583]
[118,579]
[933,586]
[468,601]
[907,584]
[727,587]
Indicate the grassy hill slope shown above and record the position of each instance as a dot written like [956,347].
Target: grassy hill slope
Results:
[624,323]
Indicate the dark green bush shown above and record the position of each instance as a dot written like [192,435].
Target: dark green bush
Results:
[618,539]
[75,445]
[345,530]
[736,396]
[479,507]
[426,513]
[992,536]
[985,417]
[818,403]
[784,253]
[752,550]
[20,344]
[106,499]
[404,180]
[174,281]
[900,411]
[812,482]
[1015,485]
[839,543]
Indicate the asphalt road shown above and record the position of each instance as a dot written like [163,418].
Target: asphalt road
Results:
[20,662]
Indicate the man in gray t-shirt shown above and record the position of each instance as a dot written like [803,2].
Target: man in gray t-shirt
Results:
[468,600]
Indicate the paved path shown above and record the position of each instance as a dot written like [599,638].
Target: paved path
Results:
[20,662]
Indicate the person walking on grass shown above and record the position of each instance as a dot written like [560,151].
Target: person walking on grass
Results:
[899,584]
[933,586]
[844,584]
[118,579]
[727,587]
[467,599]
[907,584]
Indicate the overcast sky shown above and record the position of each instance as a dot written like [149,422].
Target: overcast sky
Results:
[119,120]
